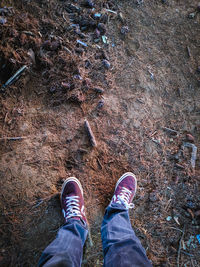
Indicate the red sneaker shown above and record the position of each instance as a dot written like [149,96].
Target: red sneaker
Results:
[125,190]
[72,201]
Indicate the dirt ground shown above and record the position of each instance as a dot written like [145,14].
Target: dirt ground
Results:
[144,79]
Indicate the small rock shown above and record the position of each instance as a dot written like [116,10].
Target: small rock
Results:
[31,55]
[78,77]
[79,50]
[198,69]
[100,104]
[3,20]
[190,138]
[190,204]
[87,64]
[163,1]
[102,28]
[124,30]
[106,64]
[66,85]
[191,15]
[98,90]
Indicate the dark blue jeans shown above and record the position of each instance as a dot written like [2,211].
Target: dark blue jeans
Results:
[121,247]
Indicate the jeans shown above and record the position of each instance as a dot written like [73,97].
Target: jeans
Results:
[121,247]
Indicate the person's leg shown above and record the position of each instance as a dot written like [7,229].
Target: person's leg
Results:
[121,247]
[67,249]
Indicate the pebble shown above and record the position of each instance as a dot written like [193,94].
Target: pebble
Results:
[198,69]
[78,77]
[100,104]
[191,15]
[102,28]
[66,85]
[106,64]
[87,64]
[98,90]
[124,30]
[190,205]
[79,50]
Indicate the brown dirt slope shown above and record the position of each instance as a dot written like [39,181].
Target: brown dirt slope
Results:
[152,83]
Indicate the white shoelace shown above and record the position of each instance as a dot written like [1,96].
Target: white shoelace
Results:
[123,198]
[73,208]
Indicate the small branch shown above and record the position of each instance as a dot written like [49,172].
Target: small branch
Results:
[90,134]
[180,244]
[170,131]
[13,138]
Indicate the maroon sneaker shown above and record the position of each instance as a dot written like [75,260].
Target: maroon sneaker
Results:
[72,201]
[125,190]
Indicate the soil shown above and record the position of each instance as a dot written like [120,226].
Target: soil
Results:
[148,73]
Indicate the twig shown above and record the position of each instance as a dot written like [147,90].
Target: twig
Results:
[186,253]
[194,153]
[14,77]
[13,138]
[188,51]
[90,238]
[170,131]
[90,134]
[176,229]
[180,244]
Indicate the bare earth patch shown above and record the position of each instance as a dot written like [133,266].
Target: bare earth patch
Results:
[152,83]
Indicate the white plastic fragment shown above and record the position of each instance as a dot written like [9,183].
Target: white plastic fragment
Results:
[194,153]
[105,39]
[111,11]
[176,219]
